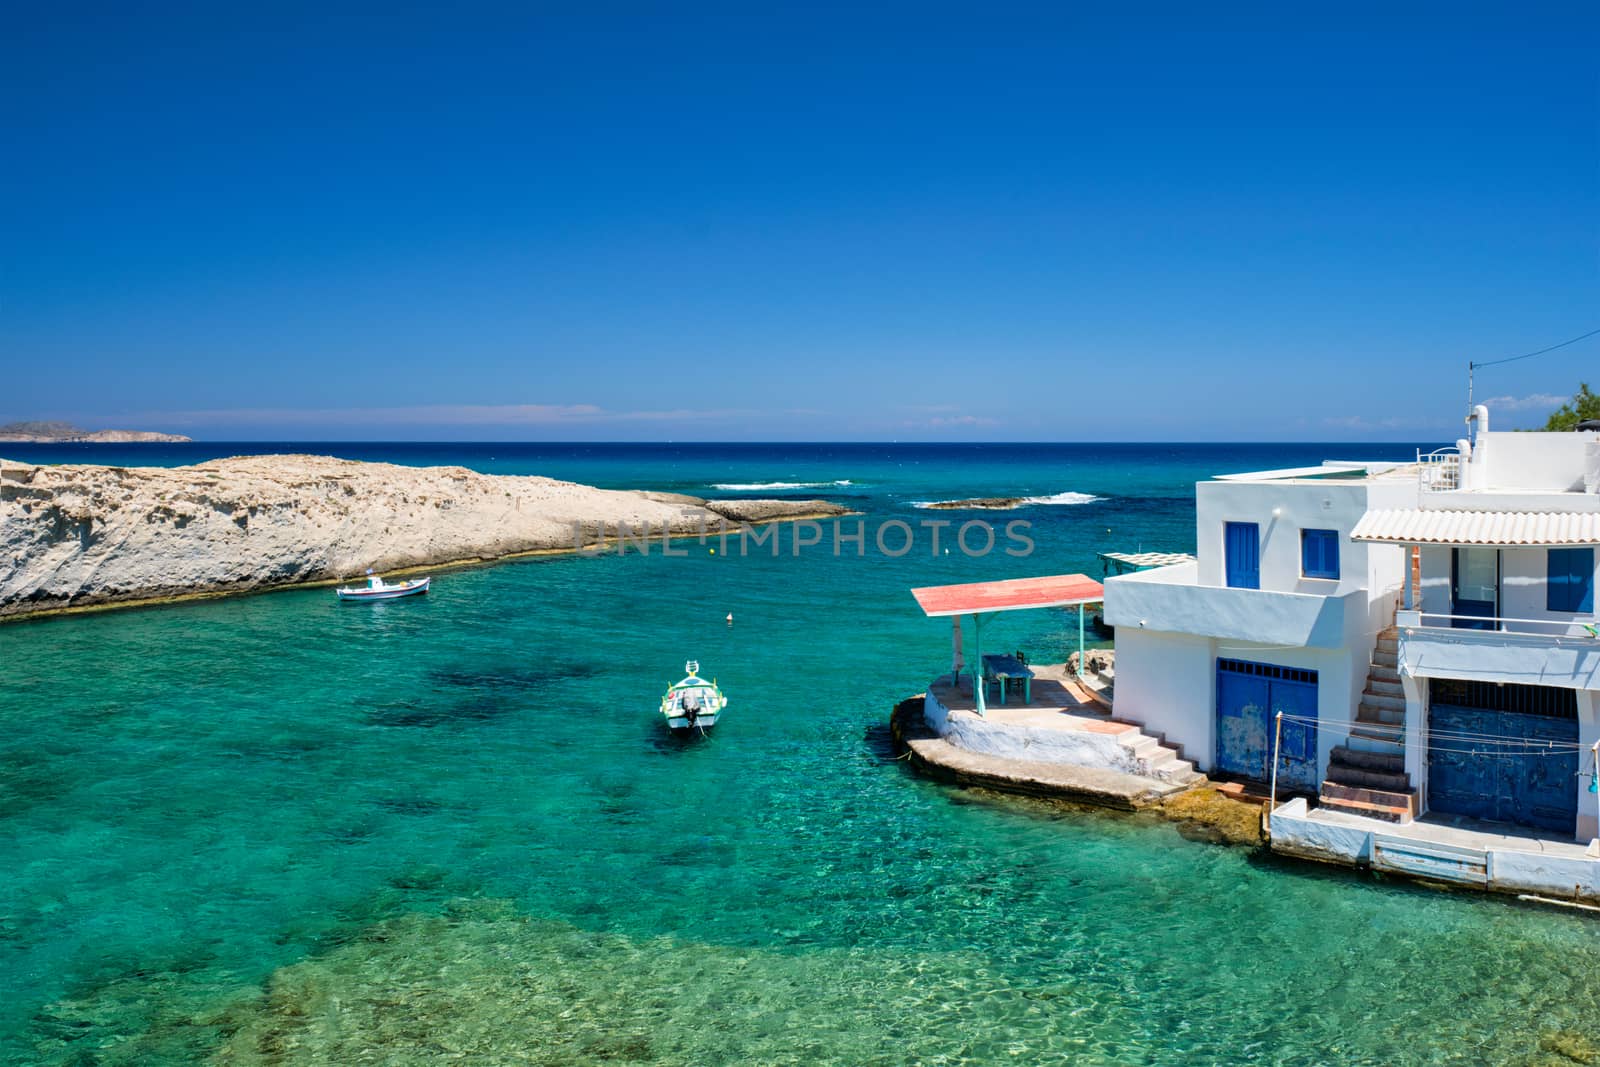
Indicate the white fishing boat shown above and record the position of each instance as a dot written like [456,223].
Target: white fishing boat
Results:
[378,589]
[693,703]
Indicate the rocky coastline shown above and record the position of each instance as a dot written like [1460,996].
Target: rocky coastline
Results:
[64,433]
[80,537]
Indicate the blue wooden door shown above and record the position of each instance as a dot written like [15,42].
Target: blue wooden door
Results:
[1515,766]
[1243,744]
[1548,796]
[1242,553]
[1297,749]
[1249,698]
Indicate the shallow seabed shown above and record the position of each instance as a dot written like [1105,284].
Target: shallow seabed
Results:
[281,830]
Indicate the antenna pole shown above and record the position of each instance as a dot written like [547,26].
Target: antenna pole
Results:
[1470,365]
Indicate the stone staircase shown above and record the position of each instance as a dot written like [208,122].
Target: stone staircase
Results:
[1157,759]
[1367,774]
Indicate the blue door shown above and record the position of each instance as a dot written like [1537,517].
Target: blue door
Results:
[1242,551]
[1504,753]
[1474,587]
[1249,698]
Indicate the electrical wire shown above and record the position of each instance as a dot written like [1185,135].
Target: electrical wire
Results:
[1530,355]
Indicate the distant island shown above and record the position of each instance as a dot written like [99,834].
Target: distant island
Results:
[55,433]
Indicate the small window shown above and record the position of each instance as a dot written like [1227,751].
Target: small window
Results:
[1570,583]
[1319,553]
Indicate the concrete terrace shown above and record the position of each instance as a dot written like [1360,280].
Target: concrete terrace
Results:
[1059,700]
[1064,723]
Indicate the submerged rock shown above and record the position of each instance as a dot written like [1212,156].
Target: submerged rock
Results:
[1219,816]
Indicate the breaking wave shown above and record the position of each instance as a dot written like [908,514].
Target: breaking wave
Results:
[1063,498]
[1006,503]
[745,487]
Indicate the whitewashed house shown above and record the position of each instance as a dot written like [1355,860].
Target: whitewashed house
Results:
[1428,633]
[1280,612]
[1497,648]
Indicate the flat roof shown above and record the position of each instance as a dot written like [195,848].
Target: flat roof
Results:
[1326,470]
[1148,559]
[1013,594]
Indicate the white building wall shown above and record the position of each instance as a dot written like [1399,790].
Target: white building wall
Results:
[1541,462]
[1435,581]
[1282,510]
[1167,683]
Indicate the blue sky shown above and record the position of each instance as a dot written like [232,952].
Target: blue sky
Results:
[617,222]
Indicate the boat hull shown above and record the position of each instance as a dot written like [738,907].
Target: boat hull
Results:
[681,724]
[390,592]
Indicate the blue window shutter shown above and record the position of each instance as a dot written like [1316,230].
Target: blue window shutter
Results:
[1569,580]
[1555,582]
[1580,575]
[1319,553]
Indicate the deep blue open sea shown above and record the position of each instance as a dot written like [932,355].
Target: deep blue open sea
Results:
[275,829]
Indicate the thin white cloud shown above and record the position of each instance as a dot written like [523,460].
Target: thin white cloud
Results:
[434,415]
[1363,422]
[1544,401]
[941,422]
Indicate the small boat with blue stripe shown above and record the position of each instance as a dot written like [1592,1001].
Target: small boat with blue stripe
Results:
[378,589]
[693,703]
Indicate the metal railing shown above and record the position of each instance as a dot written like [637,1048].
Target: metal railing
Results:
[1586,628]
[1439,471]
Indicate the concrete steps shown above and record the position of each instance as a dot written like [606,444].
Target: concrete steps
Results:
[1367,774]
[1388,805]
[1156,759]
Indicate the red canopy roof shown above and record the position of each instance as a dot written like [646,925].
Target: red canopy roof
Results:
[1014,594]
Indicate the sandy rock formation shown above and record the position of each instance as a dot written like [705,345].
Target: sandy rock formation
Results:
[66,433]
[80,535]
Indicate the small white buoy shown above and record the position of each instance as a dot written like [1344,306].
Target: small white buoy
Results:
[730,618]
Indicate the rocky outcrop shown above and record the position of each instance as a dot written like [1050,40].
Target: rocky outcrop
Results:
[985,503]
[770,510]
[66,433]
[78,536]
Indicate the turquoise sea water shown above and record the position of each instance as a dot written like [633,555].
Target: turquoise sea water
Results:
[276,829]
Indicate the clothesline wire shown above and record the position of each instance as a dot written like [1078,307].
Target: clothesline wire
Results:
[1499,740]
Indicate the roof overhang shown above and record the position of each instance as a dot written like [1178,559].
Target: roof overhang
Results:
[1413,526]
[1014,594]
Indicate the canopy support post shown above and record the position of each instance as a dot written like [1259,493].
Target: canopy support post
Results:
[955,652]
[977,664]
[1080,640]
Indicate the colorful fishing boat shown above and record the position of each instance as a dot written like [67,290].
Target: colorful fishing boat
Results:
[378,589]
[693,703]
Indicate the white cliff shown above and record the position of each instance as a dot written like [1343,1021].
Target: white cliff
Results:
[80,535]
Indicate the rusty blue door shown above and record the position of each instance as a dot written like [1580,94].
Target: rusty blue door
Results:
[1503,753]
[1249,698]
